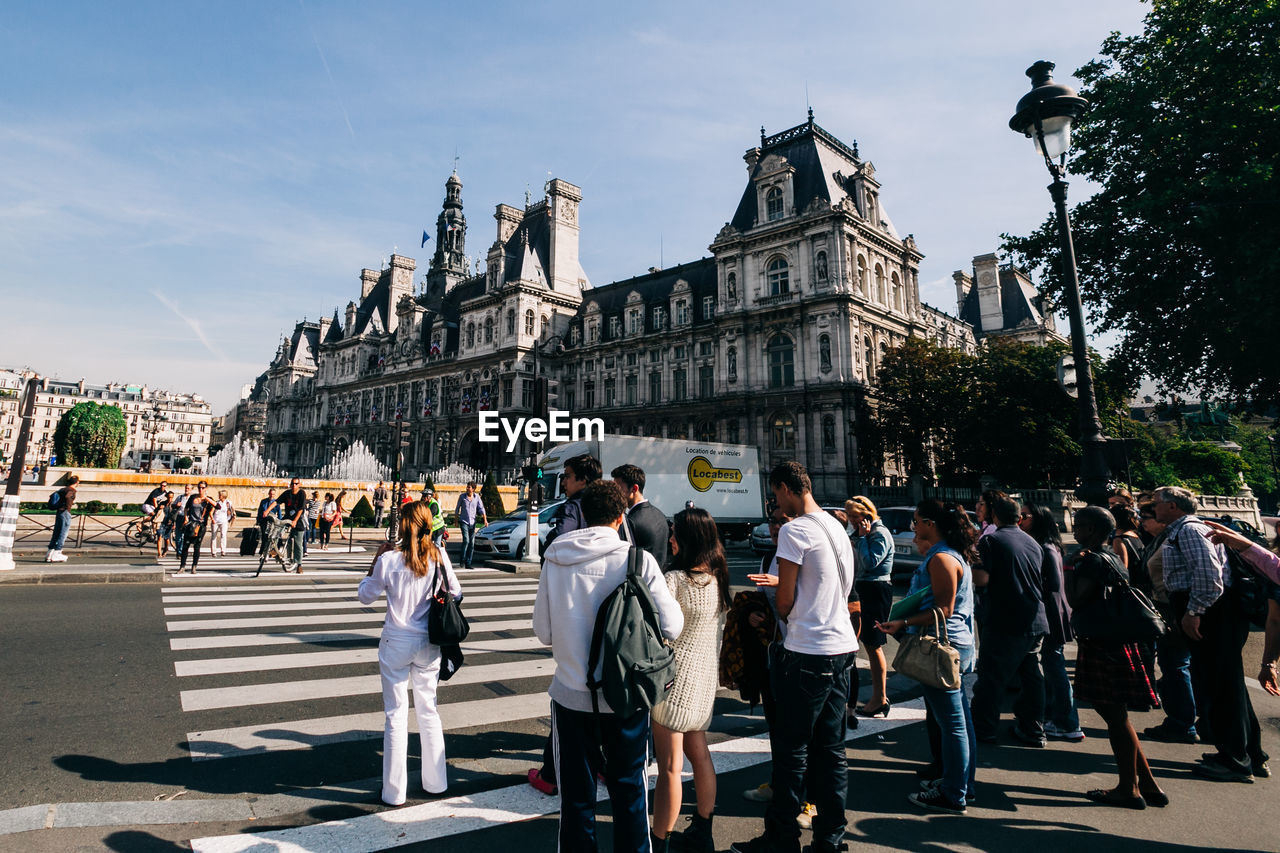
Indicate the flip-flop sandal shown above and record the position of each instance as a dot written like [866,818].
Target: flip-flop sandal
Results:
[1109,798]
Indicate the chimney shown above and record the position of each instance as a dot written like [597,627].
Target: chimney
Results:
[81,387]
[368,279]
[964,283]
[325,323]
[350,328]
[401,285]
[986,270]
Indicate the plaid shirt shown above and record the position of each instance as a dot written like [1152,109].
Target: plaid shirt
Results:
[1194,564]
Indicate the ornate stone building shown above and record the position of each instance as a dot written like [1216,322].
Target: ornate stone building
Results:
[772,340]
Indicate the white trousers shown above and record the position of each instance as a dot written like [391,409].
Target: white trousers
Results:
[218,541]
[401,658]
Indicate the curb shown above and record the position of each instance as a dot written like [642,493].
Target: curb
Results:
[96,575]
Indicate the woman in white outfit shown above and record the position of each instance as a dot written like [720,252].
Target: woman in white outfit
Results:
[698,578]
[409,577]
[223,512]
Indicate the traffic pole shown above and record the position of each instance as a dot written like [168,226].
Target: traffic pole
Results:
[13,486]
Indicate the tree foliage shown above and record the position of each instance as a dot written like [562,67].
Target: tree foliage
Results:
[491,498]
[91,435]
[1178,249]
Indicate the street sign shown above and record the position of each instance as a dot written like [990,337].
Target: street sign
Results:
[1067,375]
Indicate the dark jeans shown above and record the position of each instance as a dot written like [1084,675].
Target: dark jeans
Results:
[1060,704]
[325,528]
[61,527]
[579,737]
[806,739]
[378,509]
[191,538]
[1000,657]
[468,541]
[1174,683]
[1217,670]
[262,539]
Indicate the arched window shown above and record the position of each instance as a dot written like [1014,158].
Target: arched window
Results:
[488,330]
[528,321]
[511,321]
[731,286]
[545,327]
[881,296]
[471,334]
[896,286]
[828,434]
[782,432]
[820,267]
[707,431]
[732,356]
[862,275]
[824,352]
[867,360]
[773,204]
[781,357]
[779,276]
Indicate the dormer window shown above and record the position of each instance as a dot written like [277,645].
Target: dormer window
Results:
[615,327]
[708,307]
[635,322]
[682,312]
[659,318]
[773,204]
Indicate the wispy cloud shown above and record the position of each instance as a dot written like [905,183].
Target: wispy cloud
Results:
[334,86]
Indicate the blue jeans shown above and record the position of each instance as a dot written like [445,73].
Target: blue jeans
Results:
[1059,703]
[61,527]
[468,541]
[1174,683]
[807,743]
[950,709]
[579,738]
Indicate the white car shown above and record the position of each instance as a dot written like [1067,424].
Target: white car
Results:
[505,538]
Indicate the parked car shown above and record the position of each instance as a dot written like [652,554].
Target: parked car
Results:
[905,557]
[761,541]
[505,537]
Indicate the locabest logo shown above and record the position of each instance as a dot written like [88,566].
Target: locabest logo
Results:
[559,427]
[703,475]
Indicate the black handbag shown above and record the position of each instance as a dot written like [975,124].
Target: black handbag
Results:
[1121,615]
[446,624]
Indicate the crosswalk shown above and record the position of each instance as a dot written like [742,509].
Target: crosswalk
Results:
[256,649]
[335,563]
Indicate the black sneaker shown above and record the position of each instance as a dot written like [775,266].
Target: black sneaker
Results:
[936,801]
[826,847]
[1032,740]
[766,844]
[1168,734]
[936,785]
[1262,769]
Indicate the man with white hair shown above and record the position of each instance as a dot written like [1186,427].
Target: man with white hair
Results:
[1199,584]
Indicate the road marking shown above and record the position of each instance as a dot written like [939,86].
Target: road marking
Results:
[233,641]
[305,734]
[327,688]
[327,619]
[322,605]
[298,593]
[457,815]
[301,584]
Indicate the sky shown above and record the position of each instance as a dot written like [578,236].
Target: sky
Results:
[183,182]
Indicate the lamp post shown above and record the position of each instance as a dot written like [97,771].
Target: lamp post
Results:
[1045,115]
[1275,475]
[152,422]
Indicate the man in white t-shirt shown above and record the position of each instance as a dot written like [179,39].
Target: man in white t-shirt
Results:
[809,671]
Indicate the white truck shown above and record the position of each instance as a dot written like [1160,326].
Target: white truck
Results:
[723,479]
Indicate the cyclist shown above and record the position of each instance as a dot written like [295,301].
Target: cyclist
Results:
[153,503]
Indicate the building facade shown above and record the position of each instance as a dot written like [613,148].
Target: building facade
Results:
[185,425]
[771,340]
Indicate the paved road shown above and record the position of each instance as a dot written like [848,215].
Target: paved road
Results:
[260,700]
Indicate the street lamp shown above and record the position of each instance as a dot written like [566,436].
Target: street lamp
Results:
[1045,115]
[1275,475]
[152,422]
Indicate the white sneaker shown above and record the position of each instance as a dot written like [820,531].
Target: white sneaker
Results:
[48,558]
[761,794]
[57,557]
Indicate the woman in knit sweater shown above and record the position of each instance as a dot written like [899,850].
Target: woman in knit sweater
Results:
[698,578]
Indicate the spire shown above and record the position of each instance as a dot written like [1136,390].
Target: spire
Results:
[451,229]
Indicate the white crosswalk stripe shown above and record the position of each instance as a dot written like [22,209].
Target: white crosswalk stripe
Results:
[226,632]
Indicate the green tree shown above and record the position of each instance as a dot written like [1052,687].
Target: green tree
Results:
[91,435]
[1205,467]
[923,395]
[1177,250]
[183,463]
[491,498]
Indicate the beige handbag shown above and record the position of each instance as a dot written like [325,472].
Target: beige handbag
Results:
[929,658]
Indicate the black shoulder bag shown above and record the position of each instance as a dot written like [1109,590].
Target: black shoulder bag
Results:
[446,624]
[1122,614]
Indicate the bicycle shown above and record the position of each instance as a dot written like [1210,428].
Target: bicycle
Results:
[141,532]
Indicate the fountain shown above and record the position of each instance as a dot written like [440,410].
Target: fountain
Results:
[455,473]
[357,462]
[240,458]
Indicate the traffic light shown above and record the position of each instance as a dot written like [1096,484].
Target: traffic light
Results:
[552,395]
[532,473]
[1067,374]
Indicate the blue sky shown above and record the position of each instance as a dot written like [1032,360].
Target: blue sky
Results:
[182,182]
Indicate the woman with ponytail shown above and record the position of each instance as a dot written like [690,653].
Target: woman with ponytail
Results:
[410,575]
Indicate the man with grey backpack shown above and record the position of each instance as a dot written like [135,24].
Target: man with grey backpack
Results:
[582,572]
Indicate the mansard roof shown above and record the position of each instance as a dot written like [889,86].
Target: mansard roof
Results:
[443,322]
[653,288]
[374,306]
[529,261]
[304,343]
[1018,303]
[817,157]
[334,334]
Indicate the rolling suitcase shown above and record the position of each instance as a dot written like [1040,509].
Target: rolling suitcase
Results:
[249,541]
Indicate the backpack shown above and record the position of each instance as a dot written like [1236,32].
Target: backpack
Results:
[1249,592]
[55,500]
[636,667]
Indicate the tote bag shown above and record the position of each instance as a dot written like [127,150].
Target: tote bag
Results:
[929,658]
